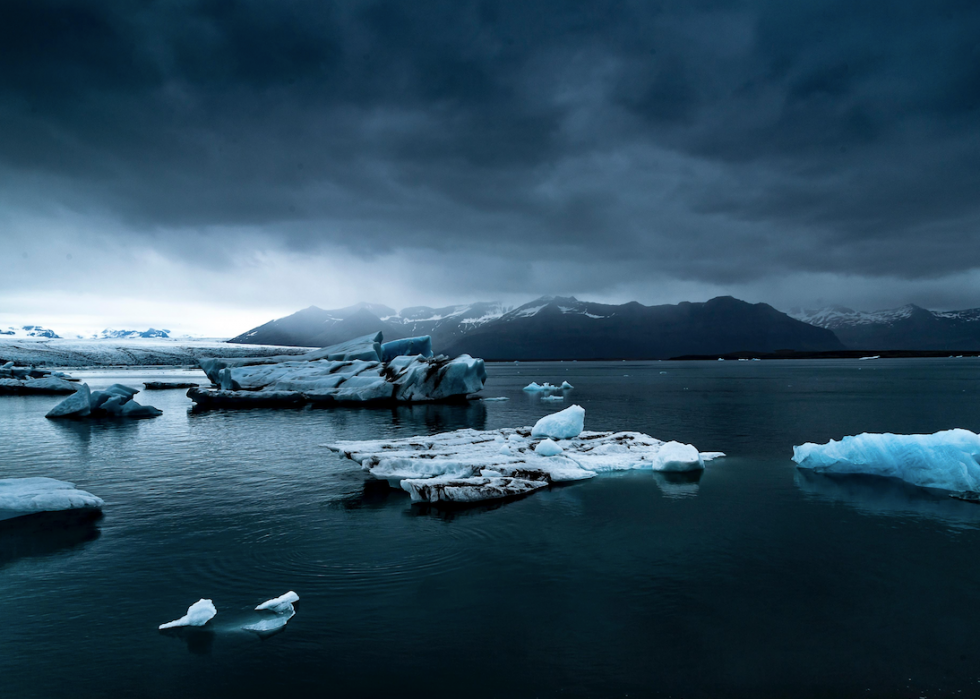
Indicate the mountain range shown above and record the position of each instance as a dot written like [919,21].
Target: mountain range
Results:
[560,328]
[907,328]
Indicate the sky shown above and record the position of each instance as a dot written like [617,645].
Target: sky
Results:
[207,166]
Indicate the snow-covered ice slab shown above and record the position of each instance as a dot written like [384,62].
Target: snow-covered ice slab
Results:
[49,385]
[945,460]
[471,465]
[28,496]
[198,614]
[348,373]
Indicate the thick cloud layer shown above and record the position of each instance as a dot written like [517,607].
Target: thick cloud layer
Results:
[819,150]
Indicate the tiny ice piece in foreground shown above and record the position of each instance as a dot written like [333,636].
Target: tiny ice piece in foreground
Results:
[546,447]
[198,614]
[279,605]
[565,386]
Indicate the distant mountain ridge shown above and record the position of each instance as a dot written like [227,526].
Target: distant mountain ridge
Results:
[908,327]
[560,328]
[28,331]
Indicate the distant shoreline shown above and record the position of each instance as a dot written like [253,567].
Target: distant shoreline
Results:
[784,354]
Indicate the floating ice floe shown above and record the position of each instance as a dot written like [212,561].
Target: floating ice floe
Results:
[30,380]
[556,399]
[358,371]
[470,465]
[115,401]
[168,385]
[28,496]
[945,460]
[282,611]
[279,605]
[534,387]
[198,614]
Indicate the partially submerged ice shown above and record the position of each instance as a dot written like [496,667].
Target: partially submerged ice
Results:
[29,496]
[358,371]
[282,611]
[945,460]
[470,465]
[115,401]
[198,614]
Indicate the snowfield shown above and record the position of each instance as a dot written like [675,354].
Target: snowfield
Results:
[125,352]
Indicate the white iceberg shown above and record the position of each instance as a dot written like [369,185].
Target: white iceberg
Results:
[279,605]
[28,496]
[471,465]
[115,401]
[566,424]
[945,460]
[352,372]
[198,614]
[565,386]
[534,387]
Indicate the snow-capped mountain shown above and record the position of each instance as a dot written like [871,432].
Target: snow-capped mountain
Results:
[150,334]
[560,328]
[909,327]
[28,331]
[315,327]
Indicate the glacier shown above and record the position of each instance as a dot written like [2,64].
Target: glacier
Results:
[945,460]
[351,372]
[198,614]
[472,466]
[115,401]
[28,496]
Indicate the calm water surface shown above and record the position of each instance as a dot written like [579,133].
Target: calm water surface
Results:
[754,581]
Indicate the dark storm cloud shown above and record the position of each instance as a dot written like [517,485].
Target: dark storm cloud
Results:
[711,140]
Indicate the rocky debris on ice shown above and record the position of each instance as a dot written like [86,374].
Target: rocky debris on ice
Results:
[198,614]
[471,465]
[115,401]
[352,372]
[946,460]
[28,496]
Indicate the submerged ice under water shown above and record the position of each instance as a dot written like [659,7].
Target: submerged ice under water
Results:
[752,578]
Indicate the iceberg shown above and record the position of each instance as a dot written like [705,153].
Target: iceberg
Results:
[946,460]
[352,372]
[566,424]
[28,496]
[115,401]
[534,387]
[31,381]
[282,609]
[198,614]
[407,347]
[279,605]
[565,386]
[472,465]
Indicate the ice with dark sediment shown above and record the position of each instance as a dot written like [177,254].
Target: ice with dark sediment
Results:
[358,371]
[28,496]
[115,401]
[31,380]
[472,465]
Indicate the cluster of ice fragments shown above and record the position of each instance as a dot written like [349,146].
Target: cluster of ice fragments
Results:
[278,612]
[945,460]
[471,466]
[30,380]
[359,371]
[29,496]
[115,401]
[535,387]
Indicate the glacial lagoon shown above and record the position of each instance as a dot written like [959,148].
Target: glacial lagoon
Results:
[751,579]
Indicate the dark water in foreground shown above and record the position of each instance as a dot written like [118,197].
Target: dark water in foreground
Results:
[752,582]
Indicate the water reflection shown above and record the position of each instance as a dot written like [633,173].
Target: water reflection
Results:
[84,429]
[680,484]
[45,534]
[887,496]
[199,640]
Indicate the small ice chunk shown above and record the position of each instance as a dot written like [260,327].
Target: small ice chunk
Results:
[198,614]
[675,456]
[710,455]
[557,399]
[546,447]
[280,605]
[566,424]
[566,386]
[270,624]
[495,399]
